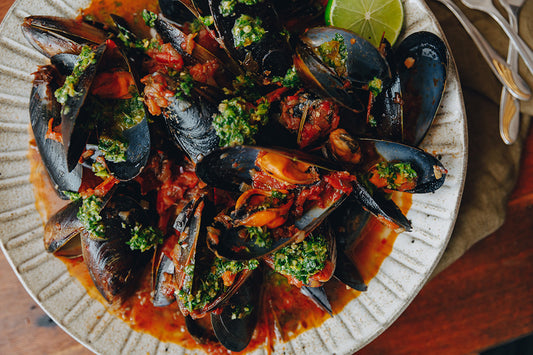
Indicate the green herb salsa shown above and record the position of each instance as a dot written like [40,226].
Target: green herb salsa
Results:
[247,30]
[238,121]
[211,284]
[302,260]
[85,58]
[333,53]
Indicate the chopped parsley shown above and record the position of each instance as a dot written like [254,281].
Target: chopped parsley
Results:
[238,121]
[334,53]
[149,18]
[89,216]
[260,236]
[247,30]
[144,238]
[227,7]
[72,196]
[211,284]
[291,79]
[201,22]
[186,83]
[375,86]
[391,171]
[85,59]
[129,112]
[303,259]
[114,150]
[100,169]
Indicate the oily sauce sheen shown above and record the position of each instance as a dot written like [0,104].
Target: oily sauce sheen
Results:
[286,312]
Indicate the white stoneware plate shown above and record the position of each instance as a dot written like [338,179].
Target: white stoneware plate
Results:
[401,276]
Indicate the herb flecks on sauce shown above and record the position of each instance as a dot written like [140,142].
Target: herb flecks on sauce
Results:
[393,175]
[247,30]
[212,284]
[114,150]
[261,236]
[333,53]
[89,216]
[227,7]
[85,59]
[144,238]
[302,260]
[291,79]
[200,22]
[238,121]
[375,86]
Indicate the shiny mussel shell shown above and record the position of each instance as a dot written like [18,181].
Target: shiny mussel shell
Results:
[268,56]
[44,108]
[422,60]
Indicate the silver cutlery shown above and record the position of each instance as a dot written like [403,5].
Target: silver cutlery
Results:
[521,46]
[507,76]
[509,106]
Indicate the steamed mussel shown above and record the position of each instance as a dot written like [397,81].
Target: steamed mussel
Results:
[179,148]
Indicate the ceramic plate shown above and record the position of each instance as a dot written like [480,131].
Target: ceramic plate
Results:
[401,276]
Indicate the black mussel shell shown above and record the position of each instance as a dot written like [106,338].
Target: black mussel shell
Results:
[53,35]
[235,325]
[176,11]
[431,174]
[76,124]
[61,232]
[231,244]
[363,61]
[230,167]
[423,82]
[322,80]
[114,267]
[271,55]
[190,126]
[43,108]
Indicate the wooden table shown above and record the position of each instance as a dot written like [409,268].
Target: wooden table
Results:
[483,299]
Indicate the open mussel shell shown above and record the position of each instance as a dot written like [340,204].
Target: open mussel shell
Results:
[76,123]
[269,56]
[62,231]
[320,276]
[138,138]
[43,108]
[53,35]
[363,61]
[431,174]
[232,245]
[422,60]
[230,167]
[194,262]
[190,126]
[324,81]
[114,267]
[235,325]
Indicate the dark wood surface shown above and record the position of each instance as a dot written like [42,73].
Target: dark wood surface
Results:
[483,299]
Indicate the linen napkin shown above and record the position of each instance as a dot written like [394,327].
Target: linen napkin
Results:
[492,166]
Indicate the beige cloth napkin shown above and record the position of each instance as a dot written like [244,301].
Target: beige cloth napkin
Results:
[492,166]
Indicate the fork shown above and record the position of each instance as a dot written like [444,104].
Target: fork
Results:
[521,46]
[507,76]
[510,107]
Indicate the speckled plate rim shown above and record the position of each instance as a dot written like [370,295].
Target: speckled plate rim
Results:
[401,276]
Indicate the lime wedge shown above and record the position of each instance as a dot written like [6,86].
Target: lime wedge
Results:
[369,19]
